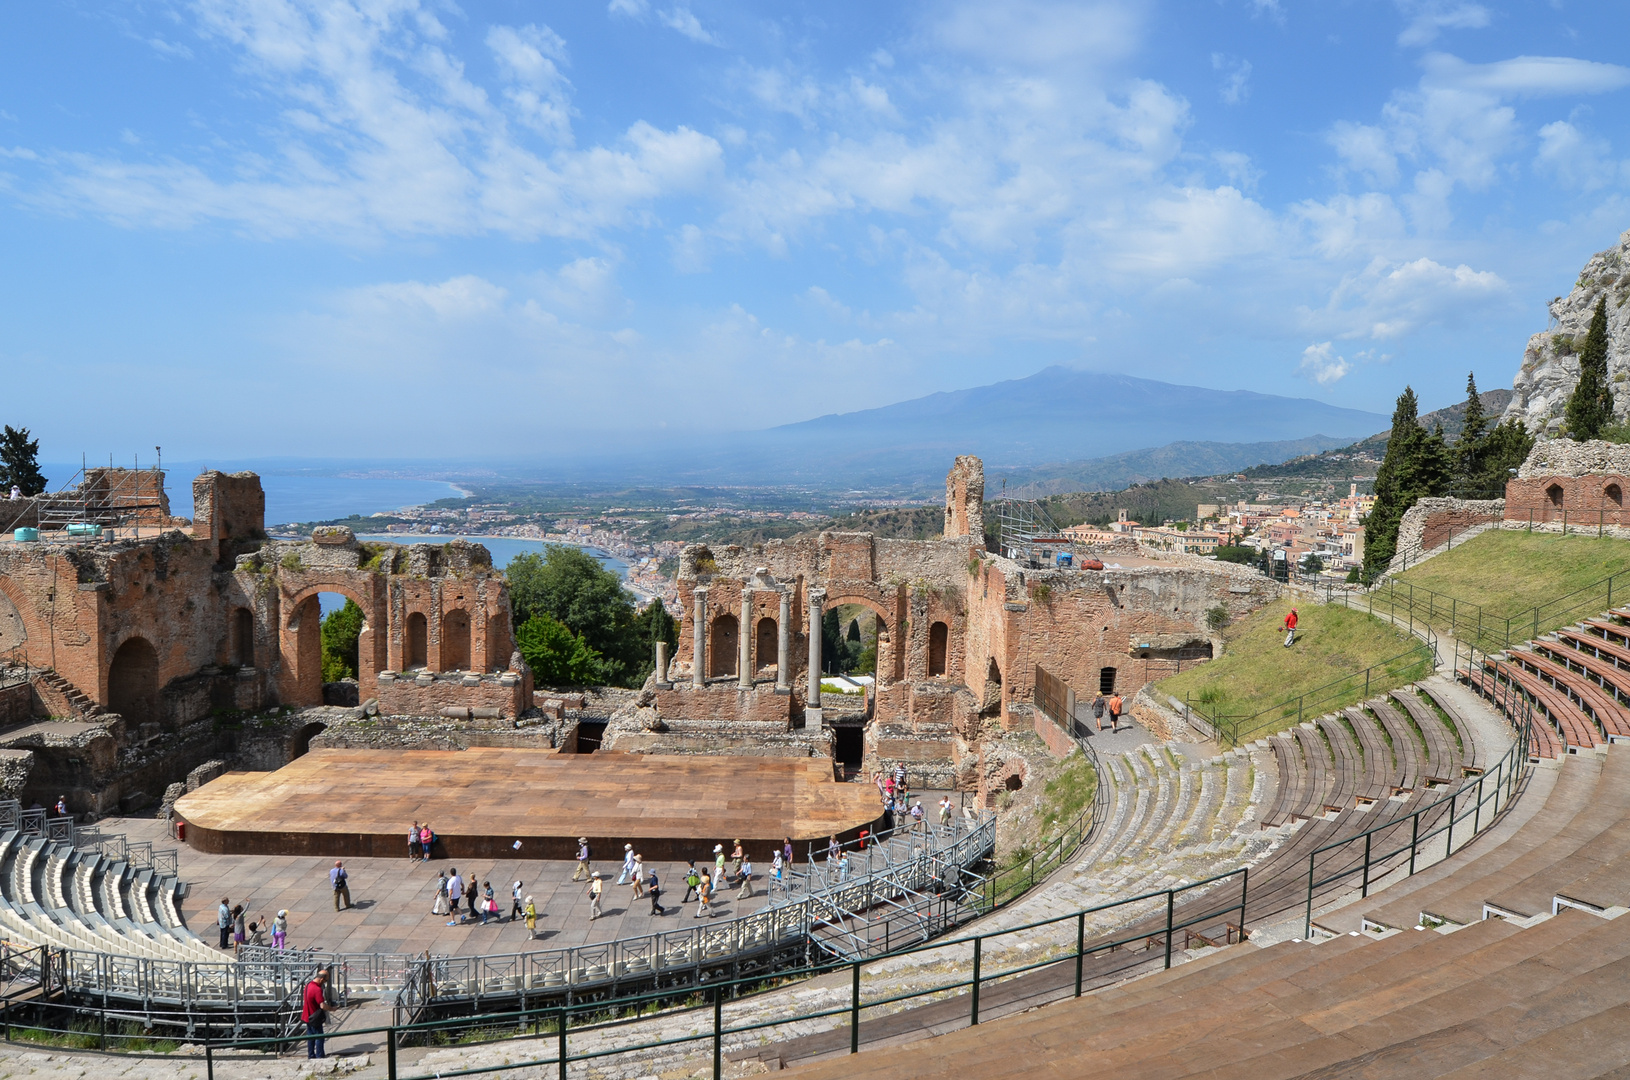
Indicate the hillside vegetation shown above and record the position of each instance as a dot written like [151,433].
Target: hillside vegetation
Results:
[1256,672]
[1508,574]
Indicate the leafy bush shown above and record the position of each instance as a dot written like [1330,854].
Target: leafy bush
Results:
[1218,617]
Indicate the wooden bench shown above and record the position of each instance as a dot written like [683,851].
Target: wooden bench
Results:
[1441,754]
[1320,772]
[1380,763]
[1594,680]
[1287,755]
[1563,704]
[1544,740]
[1406,744]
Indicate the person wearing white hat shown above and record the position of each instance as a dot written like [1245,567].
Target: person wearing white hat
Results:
[582,871]
[596,887]
[718,864]
[628,864]
[280,929]
[515,908]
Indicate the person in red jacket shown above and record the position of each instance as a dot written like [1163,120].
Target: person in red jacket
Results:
[1290,628]
[314,1014]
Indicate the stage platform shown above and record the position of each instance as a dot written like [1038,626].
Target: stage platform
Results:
[357,803]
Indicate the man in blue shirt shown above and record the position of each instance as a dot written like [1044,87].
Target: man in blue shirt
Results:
[341,881]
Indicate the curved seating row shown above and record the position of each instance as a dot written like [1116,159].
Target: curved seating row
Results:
[54,894]
[1527,973]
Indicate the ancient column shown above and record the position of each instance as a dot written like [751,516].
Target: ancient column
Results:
[698,676]
[662,661]
[817,597]
[744,642]
[783,643]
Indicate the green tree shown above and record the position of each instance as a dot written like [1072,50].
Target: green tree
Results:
[1473,432]
[1590,407]
[557,656]
[1504,448]
[1416,464]
[339,633]
[1236,553]
[20,462]
[571,587]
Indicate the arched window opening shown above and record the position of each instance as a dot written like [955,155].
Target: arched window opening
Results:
[133,682]
[766,644]
[1013,782]
[1554,494]
[1614,494]
[1106,680]
[722,646]
[455,640]
[243,637]
[416,641]
[939,636]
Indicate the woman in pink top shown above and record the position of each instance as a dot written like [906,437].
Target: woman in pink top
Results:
[426,839]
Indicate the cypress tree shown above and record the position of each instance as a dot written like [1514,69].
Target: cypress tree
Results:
[1590,408]
[1394,484]
[1469,448]
[20,462]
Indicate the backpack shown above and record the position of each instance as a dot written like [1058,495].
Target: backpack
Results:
[693,879]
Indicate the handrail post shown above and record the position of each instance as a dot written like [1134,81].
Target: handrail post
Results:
[1307,925]
[1080,947]
[1477,811]
[390,1053]
[974,1015]
[1365,890]
[718,1032]
[1449,846]
[854,1011]
[209,1060]
[1414,835]
[560,1043]
[1171,903]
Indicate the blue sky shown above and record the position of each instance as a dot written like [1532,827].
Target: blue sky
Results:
[426,229]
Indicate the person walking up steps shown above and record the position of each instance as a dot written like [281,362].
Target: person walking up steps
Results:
[1290,628]
[582,871]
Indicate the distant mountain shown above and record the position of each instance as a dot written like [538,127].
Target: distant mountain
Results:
[1057,414]
[1173,461]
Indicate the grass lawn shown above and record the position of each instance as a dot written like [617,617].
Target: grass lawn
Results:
[1511,573]
[1256,675]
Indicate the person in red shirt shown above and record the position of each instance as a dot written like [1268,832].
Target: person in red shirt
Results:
[314,1014]
[1290,628]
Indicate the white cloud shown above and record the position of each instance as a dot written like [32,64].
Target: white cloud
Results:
[1525,76]
[1321,365]
[464,297]
[1366,149]
[380,131]
[684,21]
[1577,160]
[633,9]
[1428,18]
[1236,78]
[1386,301]
[1034,34]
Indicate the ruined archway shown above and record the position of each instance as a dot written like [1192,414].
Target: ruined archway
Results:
[133,682]
[1554,495]
[455,640]
[300,744]
[1614,494]
[416,642]
[939,640]
[766,644]
[301,643]
[886,668]
[723,640]
[243,638]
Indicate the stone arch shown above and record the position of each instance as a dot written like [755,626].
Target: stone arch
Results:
[455,640]
[1614,494]
[241,647]
[939,640]
[301,679]
[415,641]
[766,642]
[723,642]
[886,656]
[133,682]
[1554,495]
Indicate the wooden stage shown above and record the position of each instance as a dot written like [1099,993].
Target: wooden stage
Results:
[355,803]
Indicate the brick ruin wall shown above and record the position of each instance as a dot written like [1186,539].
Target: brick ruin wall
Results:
[1433,523]
[172,636]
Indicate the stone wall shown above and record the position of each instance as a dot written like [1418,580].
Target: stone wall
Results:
[489,695]
[17,704]
[1433,522]
[725,700]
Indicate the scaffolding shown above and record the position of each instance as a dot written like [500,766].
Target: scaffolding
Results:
[95,503]
[1027,534]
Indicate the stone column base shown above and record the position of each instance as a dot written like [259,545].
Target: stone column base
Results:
[813,716]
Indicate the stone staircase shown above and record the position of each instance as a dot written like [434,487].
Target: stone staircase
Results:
[62,697]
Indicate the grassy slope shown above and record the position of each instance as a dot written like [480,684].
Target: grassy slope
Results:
[1510,573]
[1256,671]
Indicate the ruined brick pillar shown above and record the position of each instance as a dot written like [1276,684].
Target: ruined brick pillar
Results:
[744,639]
[698,675]
[812,699]
[783,643]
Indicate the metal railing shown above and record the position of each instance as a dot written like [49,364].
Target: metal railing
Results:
[1408,666]
[1059,957]
[1385,852]
[1492,631]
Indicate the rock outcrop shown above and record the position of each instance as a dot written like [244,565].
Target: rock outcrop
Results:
[1550,364]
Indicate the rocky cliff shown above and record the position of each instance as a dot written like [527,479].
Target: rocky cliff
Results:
[1550,364]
